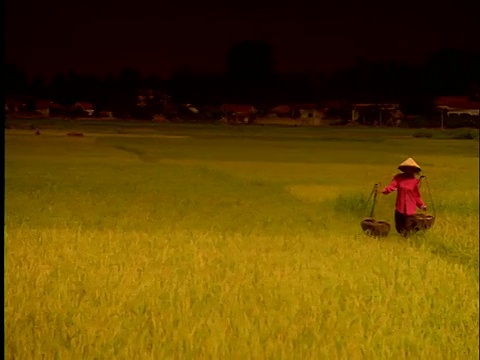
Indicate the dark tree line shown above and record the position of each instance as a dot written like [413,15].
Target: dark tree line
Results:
[251,79]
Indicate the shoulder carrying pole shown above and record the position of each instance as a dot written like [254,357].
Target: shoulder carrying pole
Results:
[374,193]
[423,177]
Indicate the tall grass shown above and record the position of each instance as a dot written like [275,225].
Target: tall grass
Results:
[234,243]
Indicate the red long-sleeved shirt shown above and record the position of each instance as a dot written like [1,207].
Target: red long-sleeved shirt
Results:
[408,193]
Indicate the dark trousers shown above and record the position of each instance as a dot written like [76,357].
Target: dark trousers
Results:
[404,224]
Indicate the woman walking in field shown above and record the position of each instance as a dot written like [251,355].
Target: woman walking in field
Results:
[408,195]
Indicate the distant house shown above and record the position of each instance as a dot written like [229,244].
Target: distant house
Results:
[376,113]
[212,112]
[43,106]
[309,111]
[282,110]
[458,106]
[188,112]
[15,105]
[85,107]
[238,113]
[336,109]
[146,97]
[297,110]
[306,113]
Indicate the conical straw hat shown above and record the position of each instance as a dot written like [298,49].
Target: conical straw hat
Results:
[408,163]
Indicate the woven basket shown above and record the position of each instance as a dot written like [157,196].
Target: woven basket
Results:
[420,222]
[375,228]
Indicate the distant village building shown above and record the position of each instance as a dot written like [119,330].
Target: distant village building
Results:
[15,105]
[147,97]
[301,113]
[86,107]
[377,114]
[238,113]
[281,110]
[43,106]
[310,114]
[458,105]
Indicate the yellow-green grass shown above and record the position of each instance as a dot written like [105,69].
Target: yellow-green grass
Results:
[234,242]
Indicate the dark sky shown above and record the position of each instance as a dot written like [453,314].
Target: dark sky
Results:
[156,37]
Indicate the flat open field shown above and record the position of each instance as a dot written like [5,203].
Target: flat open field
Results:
[161,241]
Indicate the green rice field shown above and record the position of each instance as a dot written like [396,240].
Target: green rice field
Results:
[169,241]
